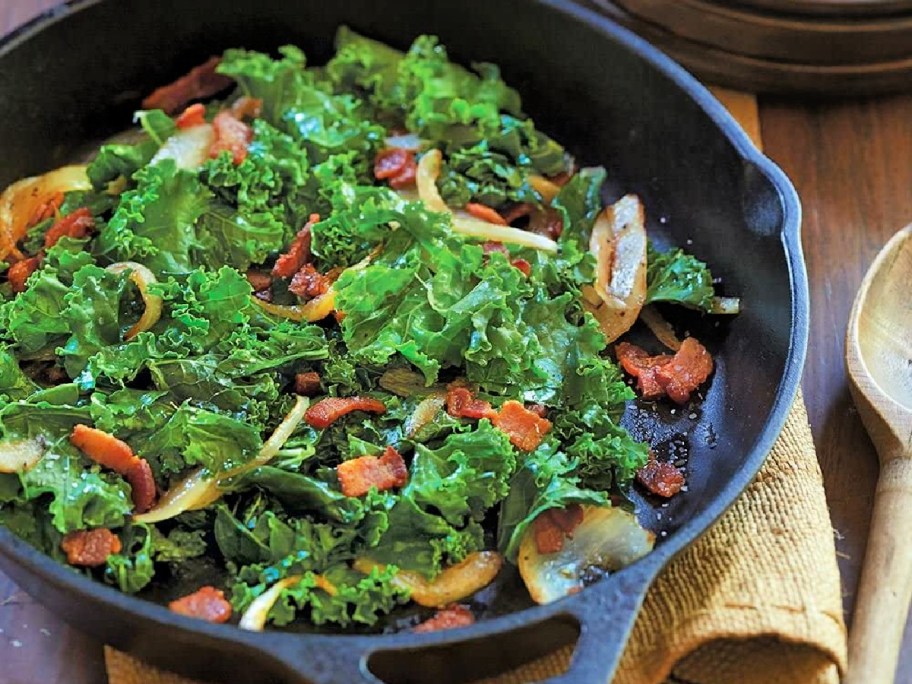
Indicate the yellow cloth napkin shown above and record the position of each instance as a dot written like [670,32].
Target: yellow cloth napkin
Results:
[755,600]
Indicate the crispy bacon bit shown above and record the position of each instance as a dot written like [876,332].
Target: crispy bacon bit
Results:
[231,135]
[660,477]
[677,376]
[308,283]
[451,617]
[523,266]
[357,476]
[517,211]
[687,370]
[246,107]
[19,272]
[103,448]
[194,115]
[485,213]
[142,484]
[259,280]
[90,548]
[47,209]
[551,527]
[206,603]
[395,165]
[200,83]
[492,247]
[327,411]
[462,404]
[76,224]
[638,363]
[539,410]
[298,252]
[524,428]
[307,384]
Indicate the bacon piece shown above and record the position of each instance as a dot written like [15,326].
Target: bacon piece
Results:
[551,527]
[524,428]
[523,266]
[201,82]
[103,448]
[451,617]
[660,477]
[492,247]
[76,224]
[638,363]
[246,107]
[194,115]
[357,476]
[308,283]
[47,209]
[19,272]
[259,280]
[406,177]
[298,252]
[517,211]
[390,162]
[231,135]
[90,548]
[142,485]
[307,384]
[485,213]
[462,404]
[327,411]
[687,370]
[206,603]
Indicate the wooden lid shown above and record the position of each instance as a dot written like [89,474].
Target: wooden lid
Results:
[843,47]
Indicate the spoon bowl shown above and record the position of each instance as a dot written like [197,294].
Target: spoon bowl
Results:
[879,364]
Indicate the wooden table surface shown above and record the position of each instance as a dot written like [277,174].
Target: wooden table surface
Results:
[851,162]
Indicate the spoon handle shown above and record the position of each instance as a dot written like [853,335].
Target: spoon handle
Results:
[886,581]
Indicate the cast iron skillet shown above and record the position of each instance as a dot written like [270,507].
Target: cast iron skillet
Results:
[78,72]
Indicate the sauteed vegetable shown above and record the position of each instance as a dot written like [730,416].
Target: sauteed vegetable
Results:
[320,341]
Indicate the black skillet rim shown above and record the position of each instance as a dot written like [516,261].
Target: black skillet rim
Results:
[53,573]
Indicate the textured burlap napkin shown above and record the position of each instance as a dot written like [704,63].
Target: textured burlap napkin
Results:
[755,600]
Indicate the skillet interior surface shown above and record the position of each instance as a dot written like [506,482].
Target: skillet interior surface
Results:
[78,75]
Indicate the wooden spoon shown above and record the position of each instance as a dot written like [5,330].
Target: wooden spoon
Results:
[879,362]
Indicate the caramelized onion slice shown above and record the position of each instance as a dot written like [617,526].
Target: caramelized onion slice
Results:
[424,413]
[316,309]
[254,618]
[729,306]
[189,148]
[660,327]
[608,538]
[142,277]
[544,187]
[454,583]
[464,223]
[200,488]
[20,455]
[618,243]
[20,201]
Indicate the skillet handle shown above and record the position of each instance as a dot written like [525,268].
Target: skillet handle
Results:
[606,613]
[318,661]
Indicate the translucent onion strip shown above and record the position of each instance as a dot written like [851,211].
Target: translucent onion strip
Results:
[200,488]
[426,180]
[142,277]
[189,148]
[21,455]
[254,618]
[660,327]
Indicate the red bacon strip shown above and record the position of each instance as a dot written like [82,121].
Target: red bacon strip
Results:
[19,272]
[485,213]
[298,252]
[90,548]
[207,603]
[108,451]
[661,478]
[307,384]
[554,525]
[451,617]
[397,166]
[461,403]
[327,411]
[201,82]
[359,475]
[76,224]
[524,427]
[308,282]
[676,376]
[194,115]
[232,135]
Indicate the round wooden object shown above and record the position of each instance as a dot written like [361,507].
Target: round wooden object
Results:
[841,47]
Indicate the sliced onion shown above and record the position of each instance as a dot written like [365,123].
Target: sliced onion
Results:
[316,309]
[547,189]
[729,306]
[660,327]
[608,538]
[618,243]
[189,148]
[407,141]
[464,223]
[20,201]
[424,413]
[254,618]
[142,277]
[21,455]
[200,488]
[454,583]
